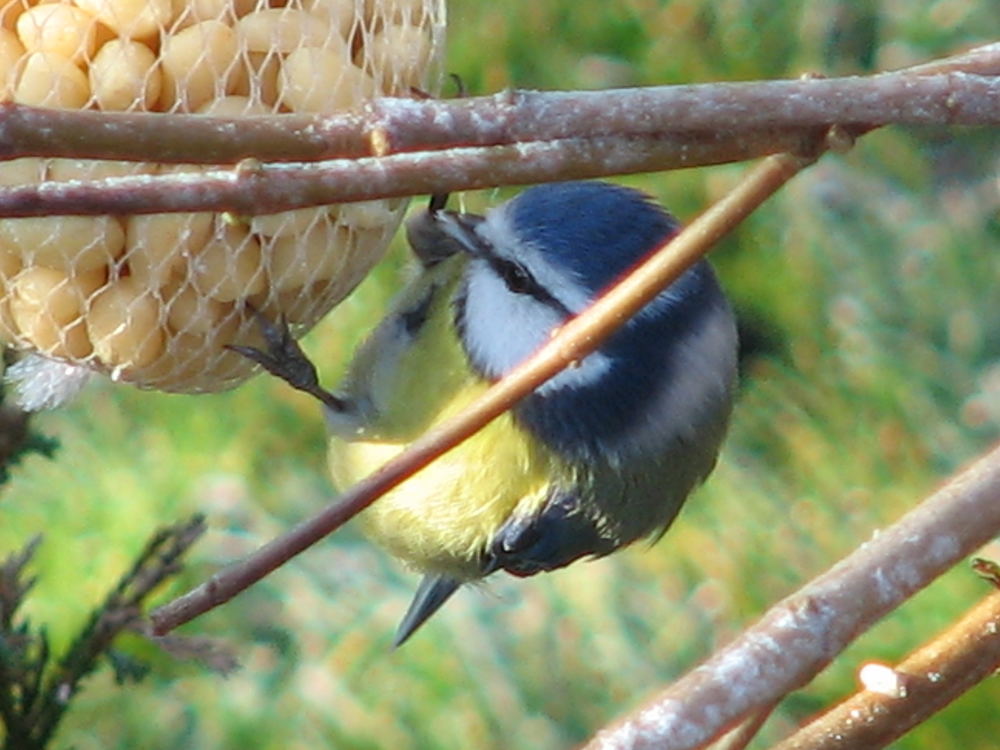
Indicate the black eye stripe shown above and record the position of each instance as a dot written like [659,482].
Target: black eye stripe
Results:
[519,280]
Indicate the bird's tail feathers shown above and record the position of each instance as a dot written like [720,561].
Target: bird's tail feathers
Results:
[434,591]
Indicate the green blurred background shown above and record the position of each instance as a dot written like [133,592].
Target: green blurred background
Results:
[867,289]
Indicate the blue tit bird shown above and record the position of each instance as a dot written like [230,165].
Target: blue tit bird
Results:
[599,456]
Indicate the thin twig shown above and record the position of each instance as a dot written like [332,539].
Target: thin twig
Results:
[739,738]
[399,147]
[159,560]
[574,341]
[393,125]
[22,656]
[13,585]
[799,636]
[931,677]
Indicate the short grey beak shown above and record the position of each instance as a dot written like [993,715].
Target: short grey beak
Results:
[461,228]
[437,235]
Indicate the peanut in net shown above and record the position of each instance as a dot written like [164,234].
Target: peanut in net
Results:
[153,299]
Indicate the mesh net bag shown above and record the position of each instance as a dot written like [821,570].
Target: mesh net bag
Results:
[153,299]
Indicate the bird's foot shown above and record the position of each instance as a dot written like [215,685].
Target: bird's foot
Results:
[283,357]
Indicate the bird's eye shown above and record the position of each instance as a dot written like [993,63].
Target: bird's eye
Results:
[517,279]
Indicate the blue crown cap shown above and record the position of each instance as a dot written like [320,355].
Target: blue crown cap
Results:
[594,230]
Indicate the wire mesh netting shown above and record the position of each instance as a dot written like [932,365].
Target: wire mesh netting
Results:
[153,299]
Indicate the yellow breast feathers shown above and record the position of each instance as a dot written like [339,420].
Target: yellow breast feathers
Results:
[411,374]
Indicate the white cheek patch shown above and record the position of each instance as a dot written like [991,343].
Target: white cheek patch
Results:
[502,329]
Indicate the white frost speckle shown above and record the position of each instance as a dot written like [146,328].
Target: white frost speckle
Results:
[882,679]
[655,722]
[943,547]
[664,720]
[886,591]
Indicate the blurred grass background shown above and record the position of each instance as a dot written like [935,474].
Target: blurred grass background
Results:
[868,291]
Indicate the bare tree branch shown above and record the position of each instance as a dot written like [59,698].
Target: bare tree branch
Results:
[931,677]
[393,125]
[253,188]
[575,340]
[801,634]
[401,147]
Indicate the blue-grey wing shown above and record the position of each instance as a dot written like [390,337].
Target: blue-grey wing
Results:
[562,531]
